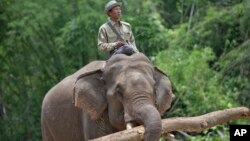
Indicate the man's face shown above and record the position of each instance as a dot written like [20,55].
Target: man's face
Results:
[115,12]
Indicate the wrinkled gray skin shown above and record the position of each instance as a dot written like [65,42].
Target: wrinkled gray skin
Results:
[129,89]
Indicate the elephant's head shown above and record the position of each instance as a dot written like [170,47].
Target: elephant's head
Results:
[132,89]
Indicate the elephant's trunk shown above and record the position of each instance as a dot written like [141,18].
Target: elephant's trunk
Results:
[151,120]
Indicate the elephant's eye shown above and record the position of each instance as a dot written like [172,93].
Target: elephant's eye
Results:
[119,92]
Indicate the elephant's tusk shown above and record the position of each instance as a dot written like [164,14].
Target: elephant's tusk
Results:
[129,125]
[169,136]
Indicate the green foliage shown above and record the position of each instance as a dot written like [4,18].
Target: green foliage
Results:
[235,64]
[3,18]
[147,25]
[30,66]
[220,29]
[218,133]
[201,83]
[196,83]
[76,42]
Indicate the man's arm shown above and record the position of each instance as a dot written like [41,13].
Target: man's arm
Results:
[132,41]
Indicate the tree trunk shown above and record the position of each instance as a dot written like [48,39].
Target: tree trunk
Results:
[191,17]
[187,124]
[2,108]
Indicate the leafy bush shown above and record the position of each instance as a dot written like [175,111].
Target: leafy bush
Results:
[198,88]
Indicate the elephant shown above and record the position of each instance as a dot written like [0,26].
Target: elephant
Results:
[105,97]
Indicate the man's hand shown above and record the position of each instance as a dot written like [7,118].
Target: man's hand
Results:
[119,44]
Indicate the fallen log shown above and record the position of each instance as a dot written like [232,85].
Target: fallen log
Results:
[186,124]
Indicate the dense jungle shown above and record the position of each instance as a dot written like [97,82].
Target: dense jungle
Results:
[202,45]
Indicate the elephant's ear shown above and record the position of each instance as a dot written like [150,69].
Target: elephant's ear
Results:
[163,91]
[89,93]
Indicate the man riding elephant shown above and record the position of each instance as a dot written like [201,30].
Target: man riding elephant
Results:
[109,96]
[105,97]
[115,34]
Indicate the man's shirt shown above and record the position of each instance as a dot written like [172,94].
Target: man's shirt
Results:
[107,37]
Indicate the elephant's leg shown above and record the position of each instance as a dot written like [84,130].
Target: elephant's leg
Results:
[46,134]
[62,123]
[97,128]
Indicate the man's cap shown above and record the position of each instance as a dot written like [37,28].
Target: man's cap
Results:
[110,5]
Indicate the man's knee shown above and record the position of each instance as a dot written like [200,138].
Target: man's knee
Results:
[126,49]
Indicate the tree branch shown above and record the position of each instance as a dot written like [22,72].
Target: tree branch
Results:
[187,124]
